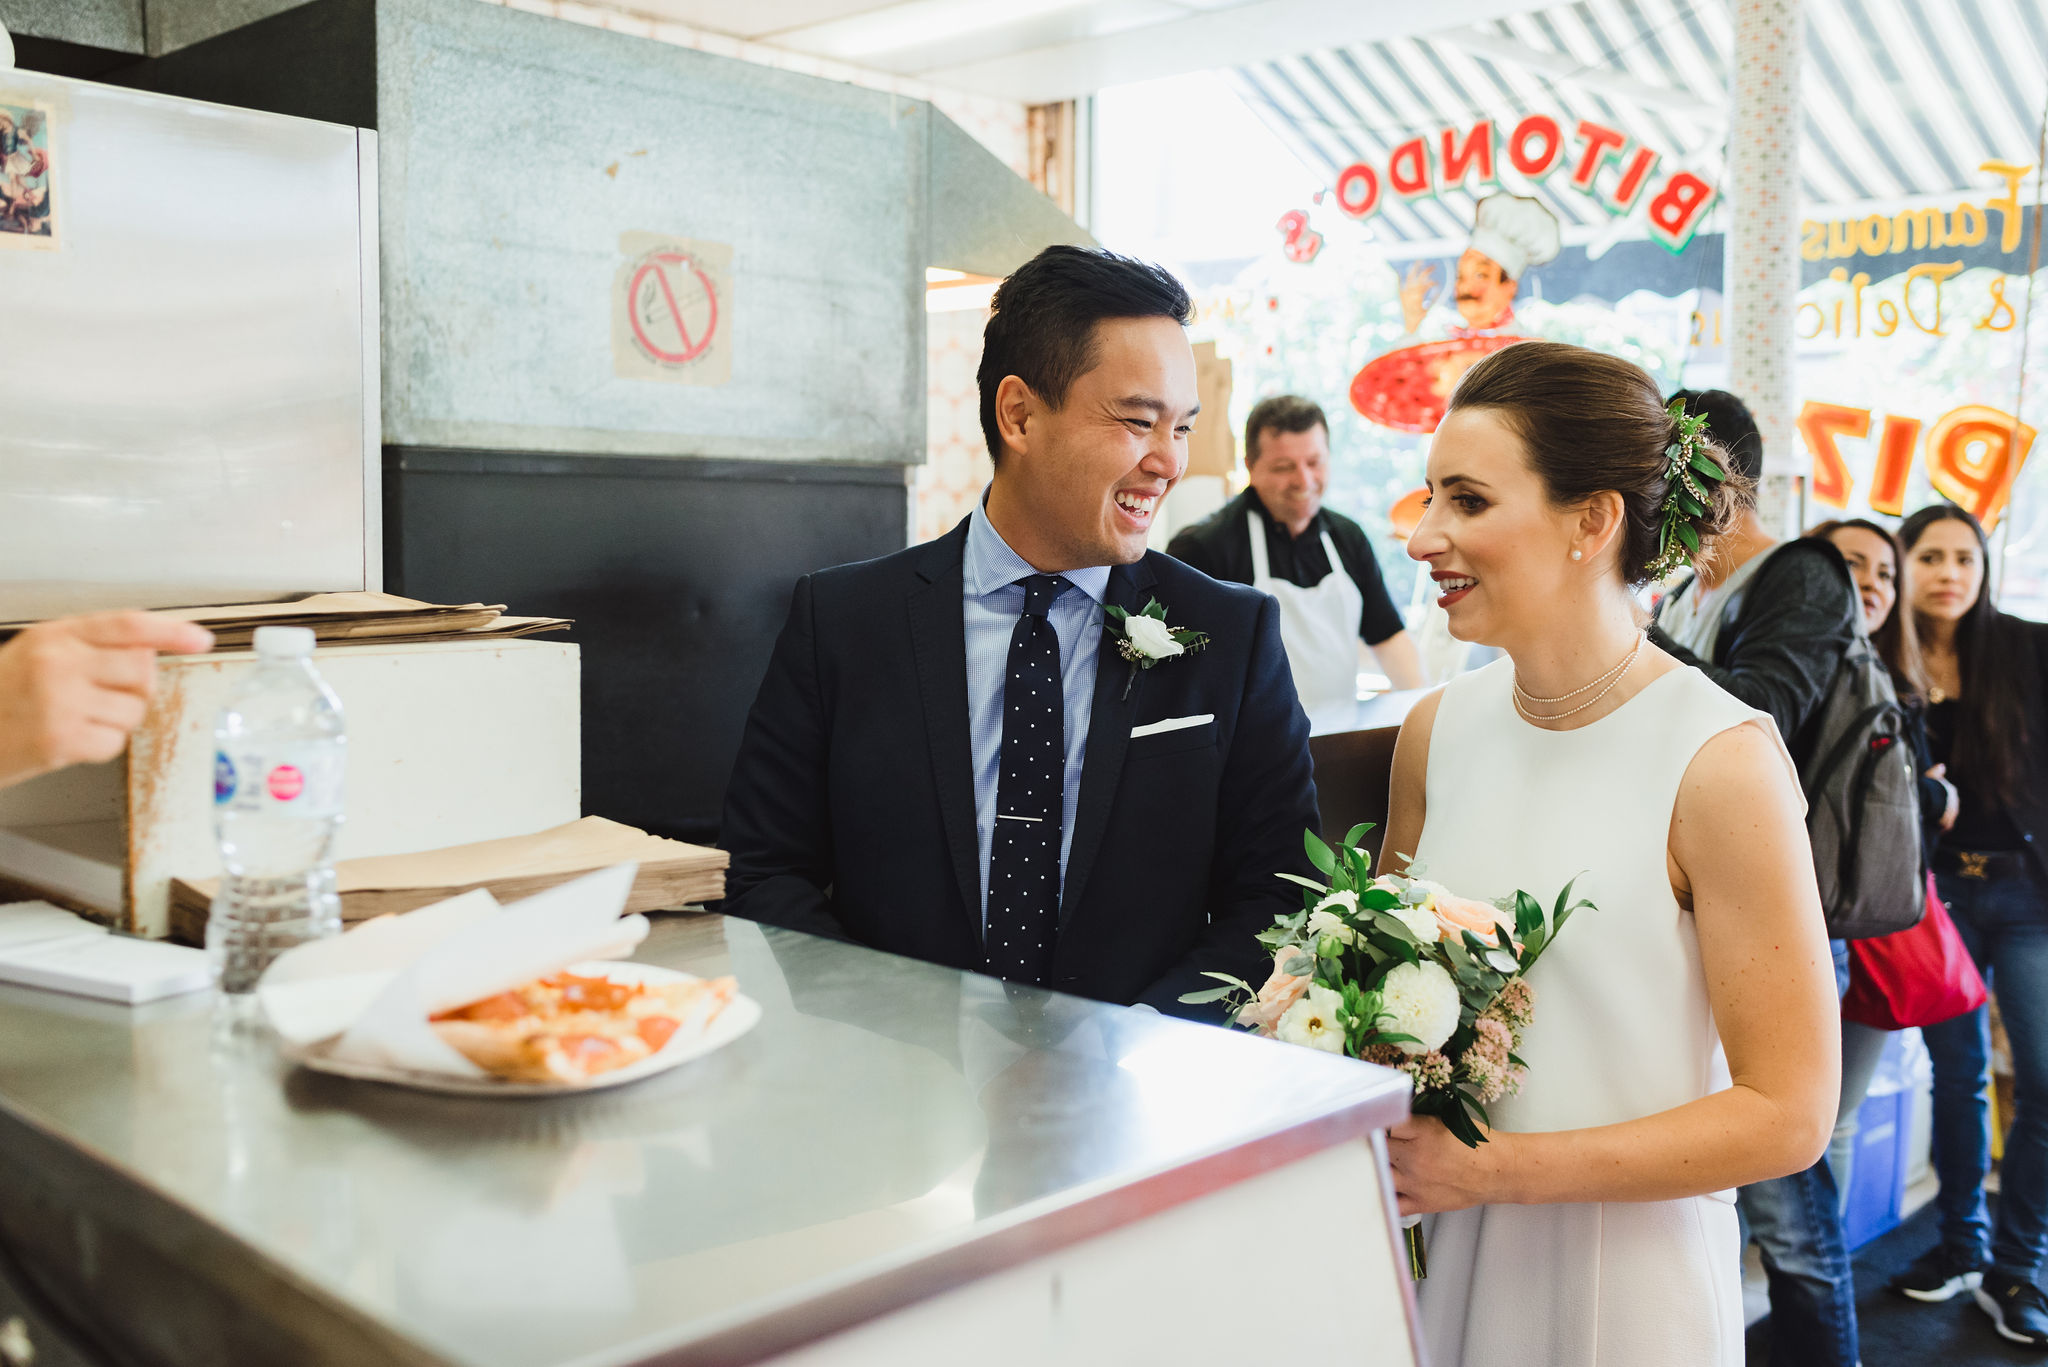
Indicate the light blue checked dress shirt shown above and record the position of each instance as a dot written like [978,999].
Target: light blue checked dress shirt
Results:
[992,598]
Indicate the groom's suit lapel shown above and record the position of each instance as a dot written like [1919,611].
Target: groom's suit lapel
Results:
[1109,735]
[938,638]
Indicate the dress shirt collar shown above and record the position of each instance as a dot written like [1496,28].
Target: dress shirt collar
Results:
[989,563]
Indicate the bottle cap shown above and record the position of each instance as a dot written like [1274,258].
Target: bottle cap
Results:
[287,642]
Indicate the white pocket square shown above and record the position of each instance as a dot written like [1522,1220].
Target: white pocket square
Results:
[1153,728]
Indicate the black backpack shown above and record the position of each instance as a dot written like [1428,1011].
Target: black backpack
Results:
[1863,803]
[1862,798]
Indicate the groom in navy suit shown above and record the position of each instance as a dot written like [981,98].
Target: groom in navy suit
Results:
[954,757]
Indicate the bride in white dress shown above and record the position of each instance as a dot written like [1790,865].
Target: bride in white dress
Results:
[1685,1032]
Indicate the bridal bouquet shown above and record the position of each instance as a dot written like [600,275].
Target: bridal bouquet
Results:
[1398,970]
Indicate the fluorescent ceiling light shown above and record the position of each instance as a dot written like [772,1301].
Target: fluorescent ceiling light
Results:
[912,23]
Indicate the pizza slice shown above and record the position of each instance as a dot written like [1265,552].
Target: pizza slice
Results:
[570,1027]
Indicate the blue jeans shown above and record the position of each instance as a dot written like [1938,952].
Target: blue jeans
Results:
[2004,923]
[1796,1223]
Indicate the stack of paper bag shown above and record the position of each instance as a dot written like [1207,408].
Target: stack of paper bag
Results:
[671,874]
[351,618]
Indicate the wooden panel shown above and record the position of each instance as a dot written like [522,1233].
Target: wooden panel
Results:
[1352,768]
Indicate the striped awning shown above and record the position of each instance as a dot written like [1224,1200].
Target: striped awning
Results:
[1902,98]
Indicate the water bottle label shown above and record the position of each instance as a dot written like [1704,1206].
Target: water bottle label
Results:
[302,781]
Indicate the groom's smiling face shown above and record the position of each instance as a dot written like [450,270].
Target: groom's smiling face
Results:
[1079,485]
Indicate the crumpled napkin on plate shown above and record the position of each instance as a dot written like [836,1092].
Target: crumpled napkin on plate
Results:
[372,990]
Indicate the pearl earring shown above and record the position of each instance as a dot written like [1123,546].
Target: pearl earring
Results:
[1578,555]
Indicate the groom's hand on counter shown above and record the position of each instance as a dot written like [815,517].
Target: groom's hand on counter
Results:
[71,690]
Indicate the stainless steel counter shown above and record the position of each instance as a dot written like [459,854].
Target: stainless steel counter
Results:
[890,1130]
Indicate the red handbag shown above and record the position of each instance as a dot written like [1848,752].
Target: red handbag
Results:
[1919,976]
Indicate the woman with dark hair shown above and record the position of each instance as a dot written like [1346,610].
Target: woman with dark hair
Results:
[1673,1054]
[1876,562]
[1986,723]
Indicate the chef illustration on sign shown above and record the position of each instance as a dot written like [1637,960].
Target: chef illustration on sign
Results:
[1409,388]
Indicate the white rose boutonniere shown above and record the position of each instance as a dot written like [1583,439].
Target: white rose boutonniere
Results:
[1144,638]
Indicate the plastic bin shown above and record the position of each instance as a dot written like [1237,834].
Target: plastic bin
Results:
[1877,1173]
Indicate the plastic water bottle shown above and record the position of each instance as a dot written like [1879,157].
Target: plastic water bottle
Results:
[280,749]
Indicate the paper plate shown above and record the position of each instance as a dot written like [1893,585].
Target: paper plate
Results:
[741,1014]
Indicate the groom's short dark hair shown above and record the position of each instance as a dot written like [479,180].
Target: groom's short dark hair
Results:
[1042,328]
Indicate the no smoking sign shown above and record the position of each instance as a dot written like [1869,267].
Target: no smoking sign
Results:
[672,310]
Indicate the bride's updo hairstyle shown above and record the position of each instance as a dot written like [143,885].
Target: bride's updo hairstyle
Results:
[1590,422]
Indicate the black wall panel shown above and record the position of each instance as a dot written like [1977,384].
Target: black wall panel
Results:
[678,573]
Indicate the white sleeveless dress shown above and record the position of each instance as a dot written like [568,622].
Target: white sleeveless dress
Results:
[1623,1029]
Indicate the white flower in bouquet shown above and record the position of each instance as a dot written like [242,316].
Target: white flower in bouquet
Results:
[1313,1021]
[1419,999]
[1152,637]
[1326,921]
[1413,910]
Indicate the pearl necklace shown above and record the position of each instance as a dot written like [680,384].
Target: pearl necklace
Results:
[1526,696]
[1613,677]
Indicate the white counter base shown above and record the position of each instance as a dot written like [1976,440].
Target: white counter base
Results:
[1226,1278]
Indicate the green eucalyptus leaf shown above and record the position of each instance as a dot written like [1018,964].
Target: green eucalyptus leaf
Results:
[1207,994]
[1319,854]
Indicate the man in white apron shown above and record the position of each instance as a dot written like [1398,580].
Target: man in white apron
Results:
[1278,537]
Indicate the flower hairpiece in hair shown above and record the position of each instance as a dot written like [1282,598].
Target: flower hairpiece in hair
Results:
[1693,474]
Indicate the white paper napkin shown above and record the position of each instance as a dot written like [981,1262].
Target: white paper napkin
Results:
[376,986]
[322,987]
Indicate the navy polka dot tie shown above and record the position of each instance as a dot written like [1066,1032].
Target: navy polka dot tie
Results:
[1024,865]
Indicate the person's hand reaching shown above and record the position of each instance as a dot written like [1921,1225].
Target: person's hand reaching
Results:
[1939,773]
[71,690]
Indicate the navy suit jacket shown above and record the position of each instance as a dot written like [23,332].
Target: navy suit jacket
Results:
[851,807]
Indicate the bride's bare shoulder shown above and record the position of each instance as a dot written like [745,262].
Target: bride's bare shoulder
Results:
[1417,725]
[1739,776]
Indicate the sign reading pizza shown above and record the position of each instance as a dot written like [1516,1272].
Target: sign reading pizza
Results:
[1604,163]
[672,310]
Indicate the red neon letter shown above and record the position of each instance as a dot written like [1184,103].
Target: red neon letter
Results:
[1545,131]
[1408,169]
[1676,211]
[1478,151]
[1972,458]
[1358,190]
[1601,143]
[1633,178]
[1895,445]
[1820,424]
